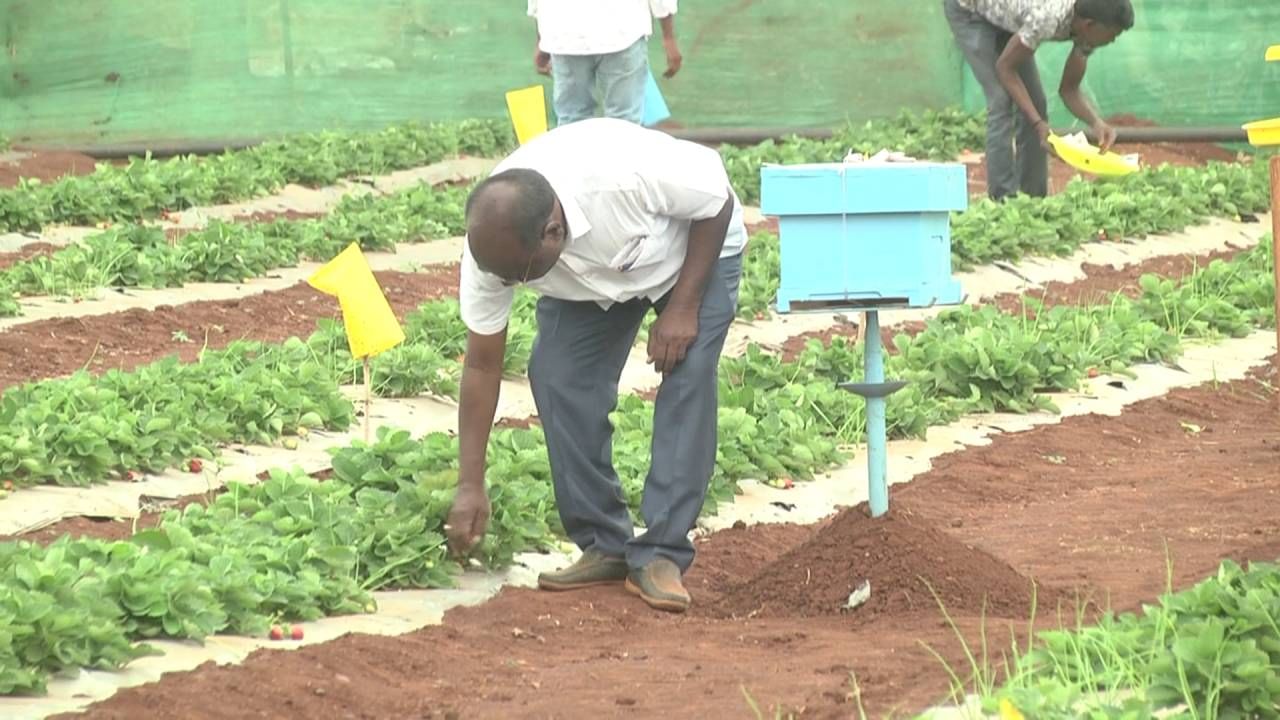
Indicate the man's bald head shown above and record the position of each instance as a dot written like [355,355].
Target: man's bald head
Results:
[507,216]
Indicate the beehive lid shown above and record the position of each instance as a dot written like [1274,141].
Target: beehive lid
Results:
[863,188]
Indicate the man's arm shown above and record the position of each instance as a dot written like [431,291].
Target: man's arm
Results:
[677,326]
[684,181]
[674,59]
[541,60]
[477,406]
[706,240]
[1015,53]
[1077,103]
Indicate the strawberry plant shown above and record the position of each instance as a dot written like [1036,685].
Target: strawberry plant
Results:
[81,430]
[1211,650]
[397,472]
[761,275]
[440,324]
[1223,298]
[428,360]
[1159,200]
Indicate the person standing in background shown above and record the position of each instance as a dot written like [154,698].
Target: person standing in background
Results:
[583,44]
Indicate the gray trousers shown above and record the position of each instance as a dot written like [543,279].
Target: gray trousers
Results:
[577,359]
[1015,160]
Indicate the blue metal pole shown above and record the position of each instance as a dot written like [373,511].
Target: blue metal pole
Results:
[877,483]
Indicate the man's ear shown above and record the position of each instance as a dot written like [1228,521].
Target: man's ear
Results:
[553,234]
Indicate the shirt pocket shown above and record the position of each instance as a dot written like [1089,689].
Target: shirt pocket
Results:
[639,252]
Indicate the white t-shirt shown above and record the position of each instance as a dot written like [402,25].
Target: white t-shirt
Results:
[595,27]
[629,195]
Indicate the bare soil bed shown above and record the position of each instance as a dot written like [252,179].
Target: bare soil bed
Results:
[46,166]
[27,252]
[49,348]
[1087,509]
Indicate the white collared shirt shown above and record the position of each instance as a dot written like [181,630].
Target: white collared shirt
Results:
[595,27]
[629,195]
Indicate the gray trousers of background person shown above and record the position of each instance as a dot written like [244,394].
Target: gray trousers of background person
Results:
[577,359]
[1015,160]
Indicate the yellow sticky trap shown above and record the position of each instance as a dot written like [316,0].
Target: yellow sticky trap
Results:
[528,109]
[1263,132]
[1082,156]
[1008,711]
[372,327]
[1273,53]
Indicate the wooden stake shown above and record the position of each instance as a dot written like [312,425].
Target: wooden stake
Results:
[368,399]
[1275,241]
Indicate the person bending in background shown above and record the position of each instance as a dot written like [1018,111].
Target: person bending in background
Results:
[583,44]
[999,39]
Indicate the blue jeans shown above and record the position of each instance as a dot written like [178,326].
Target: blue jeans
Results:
[621,77]
[1015,160]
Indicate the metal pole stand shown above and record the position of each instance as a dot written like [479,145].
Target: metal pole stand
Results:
[1275,241]
[875,390]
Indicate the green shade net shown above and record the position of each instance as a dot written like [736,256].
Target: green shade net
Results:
[95,72]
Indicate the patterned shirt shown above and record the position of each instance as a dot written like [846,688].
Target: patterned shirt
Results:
[1033,21]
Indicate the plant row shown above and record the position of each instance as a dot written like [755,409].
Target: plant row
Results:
[1210,651]
[82,429]
[145,186]
[1159,200]
[295,548]
[142,256]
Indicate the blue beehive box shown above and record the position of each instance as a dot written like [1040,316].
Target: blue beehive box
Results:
[864,235]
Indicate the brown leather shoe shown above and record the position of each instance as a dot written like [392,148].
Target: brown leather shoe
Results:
[660,585]
[593,568]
